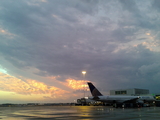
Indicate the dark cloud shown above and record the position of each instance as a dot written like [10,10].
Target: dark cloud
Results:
[65,37]
[142,18]
[156,4]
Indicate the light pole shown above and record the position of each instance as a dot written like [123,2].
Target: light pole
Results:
[84,73]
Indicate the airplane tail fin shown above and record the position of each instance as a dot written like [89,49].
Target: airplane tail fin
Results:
[94,90]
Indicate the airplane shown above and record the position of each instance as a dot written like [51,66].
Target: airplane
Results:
[115,99]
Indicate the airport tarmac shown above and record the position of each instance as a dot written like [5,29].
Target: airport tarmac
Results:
[79,113]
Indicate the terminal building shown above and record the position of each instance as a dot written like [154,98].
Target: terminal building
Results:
[133,91]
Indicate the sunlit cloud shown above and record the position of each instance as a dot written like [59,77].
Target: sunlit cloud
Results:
[28,87]
[44,0]
[147,40]
[53,77]
[57,17]
[71,83]
[76,84]
[36,2]
[148,34]
[5,32]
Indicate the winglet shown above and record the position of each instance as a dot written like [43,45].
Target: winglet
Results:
[94,90]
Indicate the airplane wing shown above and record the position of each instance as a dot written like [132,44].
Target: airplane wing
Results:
[134,100]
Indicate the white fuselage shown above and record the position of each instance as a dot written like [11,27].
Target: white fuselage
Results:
[146,99]
[115,98]
[122,99]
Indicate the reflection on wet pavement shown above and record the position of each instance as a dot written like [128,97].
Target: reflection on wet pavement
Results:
[79,113]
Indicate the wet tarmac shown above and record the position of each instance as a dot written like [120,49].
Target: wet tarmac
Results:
[79,113]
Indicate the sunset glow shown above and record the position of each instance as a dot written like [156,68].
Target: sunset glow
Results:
[29,87]
[50,49]
[76,84]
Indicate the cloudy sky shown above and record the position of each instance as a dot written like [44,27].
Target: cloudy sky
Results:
[46,44]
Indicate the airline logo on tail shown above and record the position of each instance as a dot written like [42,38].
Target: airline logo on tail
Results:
[94,90]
